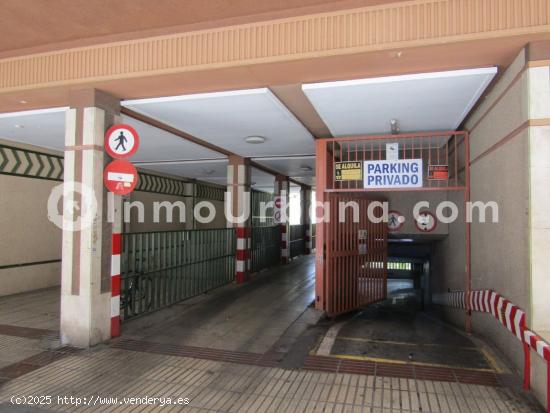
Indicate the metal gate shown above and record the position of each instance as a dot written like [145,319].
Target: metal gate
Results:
[351,264]
[356,254]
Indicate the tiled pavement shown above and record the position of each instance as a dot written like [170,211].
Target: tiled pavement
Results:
[32,364]
[214,386]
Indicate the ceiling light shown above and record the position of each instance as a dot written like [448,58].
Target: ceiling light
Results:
[18,126]
[305,168]
[23,101]
[254,139]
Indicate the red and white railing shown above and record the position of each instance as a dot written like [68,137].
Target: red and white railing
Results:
[511,317]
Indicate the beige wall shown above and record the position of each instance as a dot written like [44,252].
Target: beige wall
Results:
[510,164]
[404,202]
[27,235]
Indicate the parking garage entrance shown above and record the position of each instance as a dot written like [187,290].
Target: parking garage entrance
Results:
[384,194]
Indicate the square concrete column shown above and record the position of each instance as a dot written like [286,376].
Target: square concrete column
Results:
[237,211]
[305,197]
[87,265]
[281,210]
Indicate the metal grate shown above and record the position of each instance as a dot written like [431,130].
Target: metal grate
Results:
[438,149]
[163,268]
[297,240]
[266,247]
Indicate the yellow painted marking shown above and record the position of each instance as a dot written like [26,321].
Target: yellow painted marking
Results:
[492,361]
[402,343]
[401,362]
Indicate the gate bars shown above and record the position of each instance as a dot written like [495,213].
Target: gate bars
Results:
[163,268]
[449,148]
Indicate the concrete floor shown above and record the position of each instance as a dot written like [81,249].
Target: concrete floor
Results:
[252,317]
[405,335]
[35,309]
[270,314]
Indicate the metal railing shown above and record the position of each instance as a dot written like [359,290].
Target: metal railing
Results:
[261,218]
[297,240]
[162,268]
[266,247]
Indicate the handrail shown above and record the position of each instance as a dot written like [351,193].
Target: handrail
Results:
[509,315]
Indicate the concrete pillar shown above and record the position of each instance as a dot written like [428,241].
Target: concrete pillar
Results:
[282,189]
[305,197]
[86,304]
[238,213]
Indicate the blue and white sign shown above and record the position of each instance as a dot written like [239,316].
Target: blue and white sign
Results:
[401,173]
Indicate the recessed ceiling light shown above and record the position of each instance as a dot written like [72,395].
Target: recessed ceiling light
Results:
[23,101]
[18,126]
[254,139]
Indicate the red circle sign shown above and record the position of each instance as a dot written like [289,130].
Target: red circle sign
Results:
[120,177]
[426,221]
[121,141]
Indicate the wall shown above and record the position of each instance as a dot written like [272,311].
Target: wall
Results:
[26,181]
[27,234]
[510,164]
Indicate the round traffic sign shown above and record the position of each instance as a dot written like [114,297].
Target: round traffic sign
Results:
[121,141]
[395,220]
[426,221]
[120,177]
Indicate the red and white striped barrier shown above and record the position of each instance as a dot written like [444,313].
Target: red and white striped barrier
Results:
[243,263]
[285,245]
[115,284]
[510,316]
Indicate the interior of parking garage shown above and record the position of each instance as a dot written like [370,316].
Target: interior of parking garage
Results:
[166,276]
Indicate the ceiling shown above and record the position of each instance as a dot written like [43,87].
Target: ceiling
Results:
[33,24]
[213,171]
[426,101]
[225,119]
[419,102]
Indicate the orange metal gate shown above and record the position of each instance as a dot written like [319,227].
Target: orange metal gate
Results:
[347,275]
[356,254]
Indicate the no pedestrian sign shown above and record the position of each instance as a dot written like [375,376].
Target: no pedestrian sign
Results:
[121,141]
[120,177]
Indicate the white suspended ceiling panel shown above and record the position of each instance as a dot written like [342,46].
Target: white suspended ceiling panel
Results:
[226,119]
[44,127]
[159,145]
[419,102]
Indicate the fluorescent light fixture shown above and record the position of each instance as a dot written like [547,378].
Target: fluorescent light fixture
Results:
[194,96]
[401,78]
[32,112]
